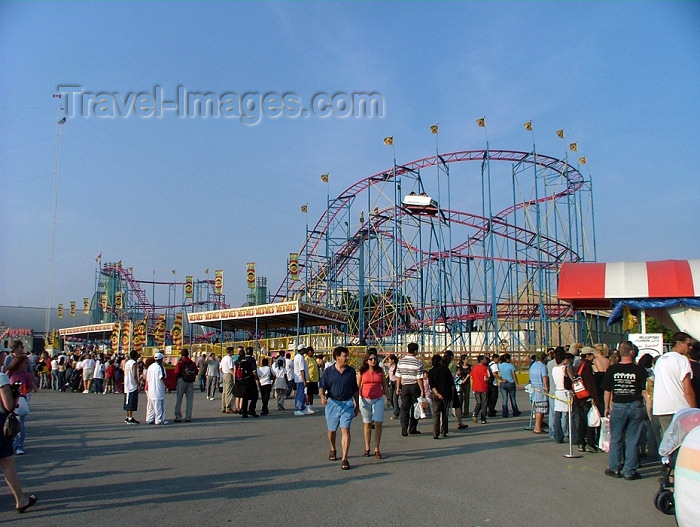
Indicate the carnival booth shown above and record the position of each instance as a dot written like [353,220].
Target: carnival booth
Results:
[669,290]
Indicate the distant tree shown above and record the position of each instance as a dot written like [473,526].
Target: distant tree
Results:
[654,326]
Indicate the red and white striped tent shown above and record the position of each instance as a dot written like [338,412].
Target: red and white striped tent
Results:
[596,285]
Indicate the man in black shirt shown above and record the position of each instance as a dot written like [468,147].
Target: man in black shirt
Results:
[624,384]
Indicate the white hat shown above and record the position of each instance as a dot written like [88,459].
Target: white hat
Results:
[159,356]
[301,347]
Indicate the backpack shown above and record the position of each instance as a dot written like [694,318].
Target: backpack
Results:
[239,370]
[189,372]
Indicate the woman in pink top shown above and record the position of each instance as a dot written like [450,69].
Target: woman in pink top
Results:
[373,389]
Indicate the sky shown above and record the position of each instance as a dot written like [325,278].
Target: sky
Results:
[165,192]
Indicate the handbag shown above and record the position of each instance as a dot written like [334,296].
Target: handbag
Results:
[11,427]
[23,407]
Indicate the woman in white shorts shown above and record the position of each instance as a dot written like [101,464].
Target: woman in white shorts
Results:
[373,388]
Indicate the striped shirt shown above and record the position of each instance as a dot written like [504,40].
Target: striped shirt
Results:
[409,370]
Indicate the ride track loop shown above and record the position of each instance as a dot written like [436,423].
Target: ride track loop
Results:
[529,245]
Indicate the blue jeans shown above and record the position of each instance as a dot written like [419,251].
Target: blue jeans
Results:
[300,398]
[507,390]
[19,440]
[626,420]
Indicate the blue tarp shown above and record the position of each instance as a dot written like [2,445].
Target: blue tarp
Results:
[648,303]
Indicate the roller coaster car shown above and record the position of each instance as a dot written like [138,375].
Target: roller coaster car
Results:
[420,204]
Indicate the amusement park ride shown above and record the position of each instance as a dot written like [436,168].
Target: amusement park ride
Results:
[458,250]
[417,266]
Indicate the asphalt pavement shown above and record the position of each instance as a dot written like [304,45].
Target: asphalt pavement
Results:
[90,469]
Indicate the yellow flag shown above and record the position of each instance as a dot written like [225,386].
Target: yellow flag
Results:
[560,133]
[629,321]
[304,209]
[481,122]
[574,147]
[324,178]
[389,140]
[528,126]
[434,129]
[582,160]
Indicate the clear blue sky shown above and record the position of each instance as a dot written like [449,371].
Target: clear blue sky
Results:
[189,194]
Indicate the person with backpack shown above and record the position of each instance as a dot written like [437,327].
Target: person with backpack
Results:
[186,372]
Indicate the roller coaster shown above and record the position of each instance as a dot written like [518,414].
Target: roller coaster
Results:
[400,253]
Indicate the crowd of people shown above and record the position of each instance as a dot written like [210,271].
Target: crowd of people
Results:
[571,389]
[639,395]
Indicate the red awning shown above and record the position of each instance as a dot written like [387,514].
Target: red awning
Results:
[594,285]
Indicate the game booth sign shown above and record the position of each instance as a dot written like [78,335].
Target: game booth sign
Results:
[668,290]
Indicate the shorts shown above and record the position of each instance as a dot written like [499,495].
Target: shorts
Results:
[540,407]
[88,374]
[339,414]
[131,401]
[311,388]
[372,410]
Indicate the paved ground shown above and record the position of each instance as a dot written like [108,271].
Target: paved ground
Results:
[90,469]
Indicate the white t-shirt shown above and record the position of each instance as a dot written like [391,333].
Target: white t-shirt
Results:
[299,366]
[131,384]
[155,375]
[264,375]
[54,364]
[226,364]
[669,371]
[99,370]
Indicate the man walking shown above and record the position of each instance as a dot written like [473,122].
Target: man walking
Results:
[131,388]
[250,384]
[155,376]
[409,385]
[673,387]
[186,372]
[226,369]
[339,392]
[301,376]
[624,383]
[480,386]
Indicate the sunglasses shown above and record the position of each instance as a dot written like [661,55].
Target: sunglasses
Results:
[372,358]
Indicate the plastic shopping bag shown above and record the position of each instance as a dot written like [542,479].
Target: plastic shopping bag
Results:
[604,442]
[421,410]
[593,417]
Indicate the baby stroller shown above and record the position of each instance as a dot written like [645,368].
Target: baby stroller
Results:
[74,380]
[683,422]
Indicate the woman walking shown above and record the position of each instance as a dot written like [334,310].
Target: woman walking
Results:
[373,388]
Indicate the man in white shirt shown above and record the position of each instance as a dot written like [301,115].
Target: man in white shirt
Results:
[301,376]
[131,388]
[226,369]
[155,376]
[673,389]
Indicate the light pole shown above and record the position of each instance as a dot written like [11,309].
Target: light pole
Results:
[52,244]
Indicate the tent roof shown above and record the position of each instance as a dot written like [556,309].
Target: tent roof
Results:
[268,316]
[595,285]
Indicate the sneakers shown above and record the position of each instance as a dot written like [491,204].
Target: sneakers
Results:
[86,391]
[612,473]
[299,413]
[163,423]
[483,421]
[178,420]
[131,421]
[20,452]
[633,476]
[308,411]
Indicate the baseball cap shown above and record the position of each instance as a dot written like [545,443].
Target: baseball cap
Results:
[159,356]
[587,350]
[301,347]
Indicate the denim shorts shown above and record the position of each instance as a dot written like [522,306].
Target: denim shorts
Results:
[339,413]
[372,410]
